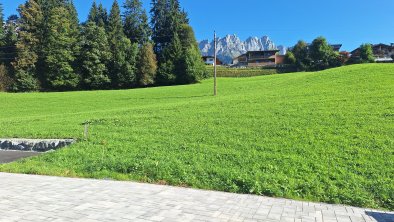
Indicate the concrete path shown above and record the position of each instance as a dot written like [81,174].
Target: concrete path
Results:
[39,198]
[10,156]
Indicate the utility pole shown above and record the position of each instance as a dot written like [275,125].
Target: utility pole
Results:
[215,92]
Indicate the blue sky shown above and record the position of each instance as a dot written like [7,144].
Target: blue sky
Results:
[350,22]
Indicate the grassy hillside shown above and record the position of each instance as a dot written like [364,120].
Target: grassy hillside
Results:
[325,136]
[241,72]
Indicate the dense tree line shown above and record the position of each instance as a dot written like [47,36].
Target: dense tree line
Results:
[320,55]
[47,48]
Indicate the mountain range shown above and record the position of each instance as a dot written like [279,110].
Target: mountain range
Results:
[232,46]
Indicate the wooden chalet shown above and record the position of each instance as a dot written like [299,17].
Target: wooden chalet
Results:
[382,52]
[258,58]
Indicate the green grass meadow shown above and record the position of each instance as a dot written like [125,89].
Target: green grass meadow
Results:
[223,71]
[321,136]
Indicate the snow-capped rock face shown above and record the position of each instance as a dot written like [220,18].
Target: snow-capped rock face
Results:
[231,46]
[282,50]
[253,44]
[204,46]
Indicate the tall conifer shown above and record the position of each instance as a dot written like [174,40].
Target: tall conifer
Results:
[136,22]
[124,53]
[28,46]
[1,24]
[59,54]
[94,57]
[146,65]
[8,52]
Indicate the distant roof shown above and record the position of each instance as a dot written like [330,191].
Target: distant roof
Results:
[274,50]
[336,46]
[381,44]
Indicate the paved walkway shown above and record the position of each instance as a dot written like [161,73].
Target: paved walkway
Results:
[39,198]
[10,156]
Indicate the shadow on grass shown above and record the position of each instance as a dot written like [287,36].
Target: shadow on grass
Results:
[381,216]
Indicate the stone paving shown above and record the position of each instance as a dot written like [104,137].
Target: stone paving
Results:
[40,198]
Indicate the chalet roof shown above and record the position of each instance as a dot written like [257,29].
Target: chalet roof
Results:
[381,44]
[274,50]
[336,46]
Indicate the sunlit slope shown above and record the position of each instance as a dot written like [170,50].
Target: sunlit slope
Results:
[323,136]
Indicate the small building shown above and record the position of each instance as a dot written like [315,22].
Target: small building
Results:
[381,52]
[259,58]
[208,60]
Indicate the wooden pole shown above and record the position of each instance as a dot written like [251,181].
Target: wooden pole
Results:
[215,92]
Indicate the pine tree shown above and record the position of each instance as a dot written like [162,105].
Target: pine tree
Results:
[115,26]
[2,35]
[59,54]
[171,65]
[94,57]
[28,45]
[92,17]
[179,58]
[147,65]
[98,15]
[136,22]
[166,20]
[75,31]
[102,16]
[124,53]
[160,35]
[1,24]
[8,53]
[192,67]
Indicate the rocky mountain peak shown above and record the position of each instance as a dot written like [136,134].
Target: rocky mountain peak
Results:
[232,46]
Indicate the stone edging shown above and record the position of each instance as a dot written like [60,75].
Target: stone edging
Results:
[34,145]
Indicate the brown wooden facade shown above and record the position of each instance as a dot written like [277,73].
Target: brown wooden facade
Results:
[259,58]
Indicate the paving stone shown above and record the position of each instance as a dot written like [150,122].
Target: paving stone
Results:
[39,198]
